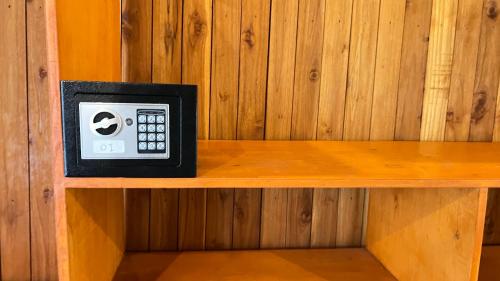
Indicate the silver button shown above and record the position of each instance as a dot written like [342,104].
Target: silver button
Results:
[151,128]
[151,137]
[160,137]
[151,145]
[151,119]
[142,118]
[142,128]
[142,146]
[160,145]
[160,128]
[160,119]
[142,137]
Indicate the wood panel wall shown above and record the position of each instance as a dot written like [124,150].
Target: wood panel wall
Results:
[334,70]
[299,69]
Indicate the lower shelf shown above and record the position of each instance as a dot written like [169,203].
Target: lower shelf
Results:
[490,264]
[327,264]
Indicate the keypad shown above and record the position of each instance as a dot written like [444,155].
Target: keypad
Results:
[151,128]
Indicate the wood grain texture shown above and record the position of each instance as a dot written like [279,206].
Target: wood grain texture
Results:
[196,56]
[387,66]
[468,28]
[90,42]
[439,66]
[254,48]
[487,73]
[225,62]
[136,40]
[299,214]
[359,96]
[280,86]
[490,260]
[402,232]
[336,42]
[274,216]
[219,225]
[492,224]
[14,163]
[164,220]
[320,164]
[300,265]
[167,41]
[192,219]
[247,218]
[350,218]
[324,218]
[412,69]
[307,69]
[42,222]
[137,205]
[96,237]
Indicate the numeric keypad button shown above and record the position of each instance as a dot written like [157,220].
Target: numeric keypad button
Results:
[160,137]
[151,145]
[142,118]
[151,119]
[151,137]
[160,145]
[160,128]
[142,128]
[142,146]
[142,137]
[151,128]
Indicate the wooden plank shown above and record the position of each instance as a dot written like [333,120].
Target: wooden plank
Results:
[496,132]
[192,218]
[282,48]
[307,69]
[247,214]
[295,164]
[412,69]
[164,220]
[362,53]
[167,41]
[14,165]
[324,218]
[219,225]
[334,66]
[274,216]
[89,42]
[468,29]
[136,40]
[438,73]
[225,61]
[96,237]
[490,260]
[196,54]
[385,91]
[137,211]
[42,223]
[167,61]
[300,265]
[254,48]
[350,218]
[399,217]
[136,67]
[487,73]
[299,214]
[492,224]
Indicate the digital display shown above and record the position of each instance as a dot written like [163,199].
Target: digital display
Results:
[108,146]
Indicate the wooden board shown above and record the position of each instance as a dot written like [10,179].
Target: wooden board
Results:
[42,222]
[409,230]
[14,163]
[192,219]
[164,215]
[273,224]
[225,61]
[329,164]
[247,218]
[412,69]
[487,72]
[219,225]
[490,261]
[310,265]
[96,236]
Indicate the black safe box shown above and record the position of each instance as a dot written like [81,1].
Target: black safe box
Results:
[128,130]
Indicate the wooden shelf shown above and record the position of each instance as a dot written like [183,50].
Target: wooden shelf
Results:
[338,264]
[490,264]
[285,164]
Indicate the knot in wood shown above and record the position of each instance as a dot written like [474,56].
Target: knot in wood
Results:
[314,75]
